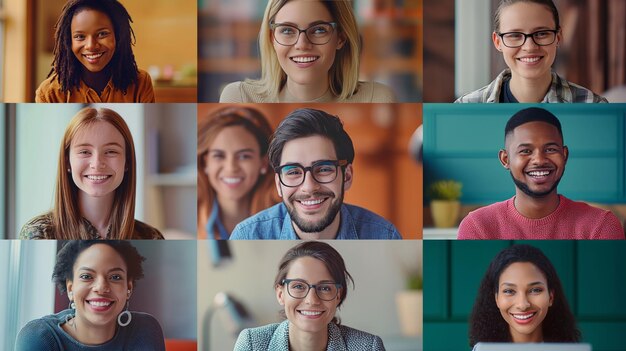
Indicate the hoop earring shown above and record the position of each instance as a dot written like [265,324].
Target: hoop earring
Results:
[70,319]
[128,316]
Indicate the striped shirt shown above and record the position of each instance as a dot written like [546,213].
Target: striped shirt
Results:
[560,91]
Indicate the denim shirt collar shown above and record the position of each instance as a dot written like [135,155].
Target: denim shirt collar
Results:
[347,228]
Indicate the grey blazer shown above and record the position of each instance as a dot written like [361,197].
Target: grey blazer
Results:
[275,337]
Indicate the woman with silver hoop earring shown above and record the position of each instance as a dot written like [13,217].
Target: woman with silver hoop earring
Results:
[98,277]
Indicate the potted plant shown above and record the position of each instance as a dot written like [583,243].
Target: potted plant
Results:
[444,202]
[409,304]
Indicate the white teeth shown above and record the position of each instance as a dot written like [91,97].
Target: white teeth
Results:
[94,56]
[538,173]
[311,313]
[94,177]
[529,59]
[523,316]
[232,180]
[100,303]
[306,59]
[311,202]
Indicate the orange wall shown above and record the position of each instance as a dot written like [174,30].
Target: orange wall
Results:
[166,32]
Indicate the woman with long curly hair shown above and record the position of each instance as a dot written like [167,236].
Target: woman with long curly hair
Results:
[521,299]
[93,57]
[99,278]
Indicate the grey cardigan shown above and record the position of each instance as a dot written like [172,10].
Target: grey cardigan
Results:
[275,337]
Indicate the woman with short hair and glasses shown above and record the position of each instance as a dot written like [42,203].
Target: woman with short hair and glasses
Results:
[528,33]
[309,53]
[311,284]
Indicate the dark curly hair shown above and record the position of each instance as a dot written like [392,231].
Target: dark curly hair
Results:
[66,257]
[68,68]
[323,252]
[486,323]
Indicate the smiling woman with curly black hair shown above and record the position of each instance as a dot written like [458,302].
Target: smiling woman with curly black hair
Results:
[93,57]
[99,277]
[521,299]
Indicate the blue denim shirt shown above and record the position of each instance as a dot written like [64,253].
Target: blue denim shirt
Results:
[274,223]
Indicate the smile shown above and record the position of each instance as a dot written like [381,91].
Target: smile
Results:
[523,317]
[231,181]
[93,56]
[97,177]
[100,303]
[304,59]
[312,202]
[538,174]
[530,59]
[311,313]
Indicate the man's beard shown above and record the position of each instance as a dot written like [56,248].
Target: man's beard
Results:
[534,194]
[324,222]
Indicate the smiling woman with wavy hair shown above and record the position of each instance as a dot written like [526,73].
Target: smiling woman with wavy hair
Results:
[521,299]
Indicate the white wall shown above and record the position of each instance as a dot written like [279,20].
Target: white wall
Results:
[40,128]
[472,45]
[26,289]
[168,289]
[39,131]
[376,266]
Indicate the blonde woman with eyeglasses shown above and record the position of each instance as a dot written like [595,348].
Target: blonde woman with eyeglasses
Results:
[528,33]
[309,53]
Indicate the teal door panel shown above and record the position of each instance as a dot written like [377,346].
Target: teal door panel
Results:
[470,260]
[604,336]
[446,337]
[457,134]
[601,280]
[484,179]
[592,179]
[436,265]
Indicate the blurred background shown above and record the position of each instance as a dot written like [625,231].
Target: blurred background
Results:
[590,271]
[459,56]
[166,33]
[383,271]
[167,292]
[391,31]
[387,180]
[165,144]
[462,142]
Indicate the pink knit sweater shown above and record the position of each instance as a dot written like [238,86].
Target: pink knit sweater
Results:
[571,220]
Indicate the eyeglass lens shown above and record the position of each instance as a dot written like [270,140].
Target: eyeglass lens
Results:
[318,34]
[517,39]
[299,290]
[322,172]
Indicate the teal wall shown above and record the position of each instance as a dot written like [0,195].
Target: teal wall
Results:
[592,273]
[461,142]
